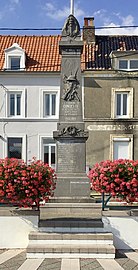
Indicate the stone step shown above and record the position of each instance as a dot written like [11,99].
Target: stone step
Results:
[70,251]
[71,223]
[58,239]
[72,200]
[71,236]
[77,210]
[73,204]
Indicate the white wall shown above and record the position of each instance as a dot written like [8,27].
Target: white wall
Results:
[14,230]
[125,231]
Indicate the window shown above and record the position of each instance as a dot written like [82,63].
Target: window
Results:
[128,64]
[123,64]
[124,60]
[15,63]
[15,103]
[49,152]
[122,103]
[50,104]
[14,58]
[121,147]
[15,148]
[133,64]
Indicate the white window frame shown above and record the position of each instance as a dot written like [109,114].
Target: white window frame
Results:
[16,135]
[15,91]
[129,92]
[41,147]
[128,64]
[42,103]
[15,51]
[49,146]
[121,138]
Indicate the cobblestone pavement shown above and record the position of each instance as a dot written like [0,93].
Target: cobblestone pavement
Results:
[16,260]
[87,264]
[50,264]
[13,263]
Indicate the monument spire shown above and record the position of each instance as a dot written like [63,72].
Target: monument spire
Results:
[72,7]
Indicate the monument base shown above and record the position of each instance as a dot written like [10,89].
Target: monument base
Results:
[76,185]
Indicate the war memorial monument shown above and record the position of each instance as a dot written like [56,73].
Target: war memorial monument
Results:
[71,135]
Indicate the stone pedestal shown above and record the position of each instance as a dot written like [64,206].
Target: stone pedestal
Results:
[72,179]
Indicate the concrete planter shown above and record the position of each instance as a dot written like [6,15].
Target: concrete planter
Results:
[124,226]
[15,226]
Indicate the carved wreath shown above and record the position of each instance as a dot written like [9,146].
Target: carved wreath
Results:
[71,130]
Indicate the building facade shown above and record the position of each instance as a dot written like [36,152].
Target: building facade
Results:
[29,96]
[110,96]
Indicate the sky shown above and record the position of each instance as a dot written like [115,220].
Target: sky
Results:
[53,13]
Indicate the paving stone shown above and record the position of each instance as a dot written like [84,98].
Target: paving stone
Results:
[14,263]
[55,264]
[9,254]
[50,264]
[124,261]
[2,250]
[132,255]
[90,264]
[127,264]
[31,264]
[109,264]
[70,264]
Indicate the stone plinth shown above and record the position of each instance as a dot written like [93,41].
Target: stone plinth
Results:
[72,179]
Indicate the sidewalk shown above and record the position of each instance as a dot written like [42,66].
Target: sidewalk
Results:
[15,259]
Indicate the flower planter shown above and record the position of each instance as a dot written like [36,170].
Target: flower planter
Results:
[118,178]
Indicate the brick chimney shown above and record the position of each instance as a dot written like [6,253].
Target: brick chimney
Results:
[89,30]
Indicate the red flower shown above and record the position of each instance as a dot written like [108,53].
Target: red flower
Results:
[118,177]
[26,184]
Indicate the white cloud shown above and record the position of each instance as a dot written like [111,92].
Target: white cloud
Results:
[114,21]
[54,13]
[9,8]
[128,20]
[99,12]
[58,14]
[114,29]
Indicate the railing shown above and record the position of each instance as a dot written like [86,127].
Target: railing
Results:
[105,201]
[106,198]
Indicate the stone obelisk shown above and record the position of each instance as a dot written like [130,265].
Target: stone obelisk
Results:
[70,135]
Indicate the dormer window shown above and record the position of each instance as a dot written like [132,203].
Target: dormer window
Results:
[124,60]
[14,58]
[123,64]
[128,64]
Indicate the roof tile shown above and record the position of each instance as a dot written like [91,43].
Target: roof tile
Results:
[42,52]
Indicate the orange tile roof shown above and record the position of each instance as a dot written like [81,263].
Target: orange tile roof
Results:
[42,52]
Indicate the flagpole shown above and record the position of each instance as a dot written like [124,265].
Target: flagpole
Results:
[72,7]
